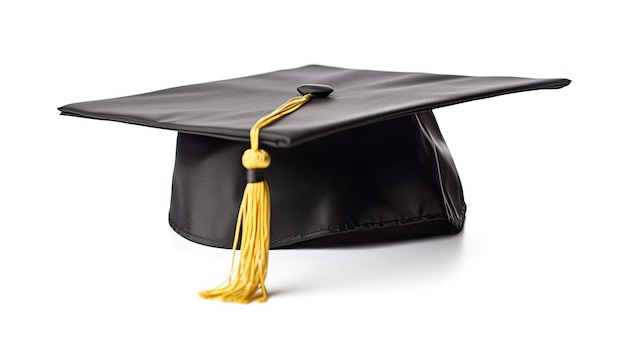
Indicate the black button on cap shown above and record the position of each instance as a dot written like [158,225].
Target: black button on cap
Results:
[317,90]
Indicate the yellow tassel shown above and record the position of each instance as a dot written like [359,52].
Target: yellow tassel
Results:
[253,222]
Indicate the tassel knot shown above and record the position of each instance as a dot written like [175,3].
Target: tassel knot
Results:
[255,159]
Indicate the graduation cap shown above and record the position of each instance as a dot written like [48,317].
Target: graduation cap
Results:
[355,153]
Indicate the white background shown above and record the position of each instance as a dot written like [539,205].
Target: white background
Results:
[88,261]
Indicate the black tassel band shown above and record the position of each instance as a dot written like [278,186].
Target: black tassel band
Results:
[255,175]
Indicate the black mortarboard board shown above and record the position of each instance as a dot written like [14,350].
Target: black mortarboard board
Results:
[366,161]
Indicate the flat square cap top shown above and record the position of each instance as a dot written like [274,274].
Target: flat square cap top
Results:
[227,109]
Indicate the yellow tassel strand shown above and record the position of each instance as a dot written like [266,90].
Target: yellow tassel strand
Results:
[247,277]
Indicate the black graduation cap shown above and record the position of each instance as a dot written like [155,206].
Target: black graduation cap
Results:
[355,154]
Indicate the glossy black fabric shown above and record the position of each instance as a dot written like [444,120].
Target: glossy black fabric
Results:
[396,175]
[227,109]
[366,162]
